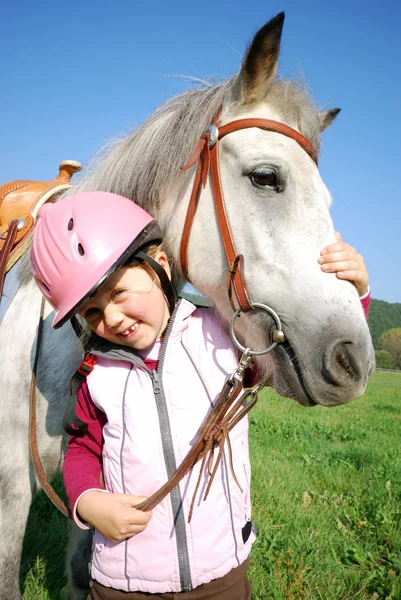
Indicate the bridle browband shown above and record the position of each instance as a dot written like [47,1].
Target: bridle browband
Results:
[206,153]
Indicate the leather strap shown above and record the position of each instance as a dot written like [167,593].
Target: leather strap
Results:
[213,432]
[274,126]
[234,264]
[193,204]
[5,250]
[33,442]
[207,155]
[20,242]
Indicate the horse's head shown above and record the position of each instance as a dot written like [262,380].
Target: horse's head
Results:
[278,210]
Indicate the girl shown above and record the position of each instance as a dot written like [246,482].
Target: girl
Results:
[158,366]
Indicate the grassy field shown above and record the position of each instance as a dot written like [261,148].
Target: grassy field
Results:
[326,488]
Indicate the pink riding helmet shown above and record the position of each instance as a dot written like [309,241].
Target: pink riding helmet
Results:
[80,241]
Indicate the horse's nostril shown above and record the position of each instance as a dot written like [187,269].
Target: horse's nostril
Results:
[342,365]
[343,361]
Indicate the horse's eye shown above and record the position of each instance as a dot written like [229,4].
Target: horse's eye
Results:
[265,179]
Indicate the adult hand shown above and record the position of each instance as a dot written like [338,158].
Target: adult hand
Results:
[114,515]
[343,260]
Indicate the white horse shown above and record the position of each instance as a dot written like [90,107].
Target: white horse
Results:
[278,209]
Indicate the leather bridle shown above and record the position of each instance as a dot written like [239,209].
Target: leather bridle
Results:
[206,153]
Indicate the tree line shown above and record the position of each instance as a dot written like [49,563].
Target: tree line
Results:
[385,327]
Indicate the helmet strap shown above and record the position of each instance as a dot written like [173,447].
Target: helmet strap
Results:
[168,288]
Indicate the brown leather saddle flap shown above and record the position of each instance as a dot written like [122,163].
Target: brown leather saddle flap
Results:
[22,200]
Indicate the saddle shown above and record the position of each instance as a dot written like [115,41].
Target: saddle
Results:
[21,200]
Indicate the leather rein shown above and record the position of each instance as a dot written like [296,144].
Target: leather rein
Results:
[232,405]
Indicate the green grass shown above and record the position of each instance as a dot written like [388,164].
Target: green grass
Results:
[44,553]
[327,491]
[326,487]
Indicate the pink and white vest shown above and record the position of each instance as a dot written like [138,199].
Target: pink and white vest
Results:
[153,418]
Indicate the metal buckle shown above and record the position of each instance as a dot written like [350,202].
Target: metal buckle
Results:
[21,224]
[278,335]
[243,363]
[213,135]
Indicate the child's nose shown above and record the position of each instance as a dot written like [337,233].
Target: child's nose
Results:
[112,316]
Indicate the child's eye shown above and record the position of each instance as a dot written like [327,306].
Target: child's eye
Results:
[91,314]
[118,293]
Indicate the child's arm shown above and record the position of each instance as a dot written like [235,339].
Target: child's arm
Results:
[343,260]
[82,467]
[82,472]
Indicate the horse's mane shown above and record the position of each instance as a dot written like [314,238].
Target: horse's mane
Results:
[145,165]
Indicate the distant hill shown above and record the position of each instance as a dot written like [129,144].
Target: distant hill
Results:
[382,317]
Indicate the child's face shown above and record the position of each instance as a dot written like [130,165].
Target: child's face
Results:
[129,308]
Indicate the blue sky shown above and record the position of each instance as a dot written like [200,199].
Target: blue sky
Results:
[75,75]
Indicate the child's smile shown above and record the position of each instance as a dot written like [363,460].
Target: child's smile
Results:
[131,330]
[130,309]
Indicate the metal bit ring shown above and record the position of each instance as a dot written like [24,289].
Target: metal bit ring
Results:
[278,334]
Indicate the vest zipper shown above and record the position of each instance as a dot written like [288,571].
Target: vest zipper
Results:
[170,462]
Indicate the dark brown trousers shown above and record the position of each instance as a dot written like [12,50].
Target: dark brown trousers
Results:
[233,586]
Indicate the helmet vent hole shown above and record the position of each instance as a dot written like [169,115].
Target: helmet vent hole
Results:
[70,224]
[81,249]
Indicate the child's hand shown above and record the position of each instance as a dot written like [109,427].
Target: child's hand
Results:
[114,515]
[343,260]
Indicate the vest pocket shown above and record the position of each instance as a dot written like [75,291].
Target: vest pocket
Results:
[246,531]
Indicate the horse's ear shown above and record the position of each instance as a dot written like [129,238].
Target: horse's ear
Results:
[326,117]
[260,63]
